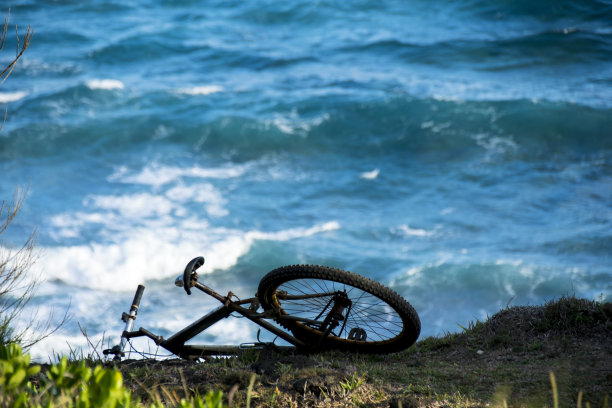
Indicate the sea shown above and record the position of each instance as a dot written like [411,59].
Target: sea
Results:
[458,152]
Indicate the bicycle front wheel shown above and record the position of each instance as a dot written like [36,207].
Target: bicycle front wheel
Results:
[369,317]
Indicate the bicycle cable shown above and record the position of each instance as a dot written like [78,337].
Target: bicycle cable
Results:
[145,354]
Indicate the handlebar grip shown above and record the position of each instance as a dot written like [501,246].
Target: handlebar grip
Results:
[137,298]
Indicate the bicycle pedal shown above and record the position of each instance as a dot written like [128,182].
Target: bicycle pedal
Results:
[116,351]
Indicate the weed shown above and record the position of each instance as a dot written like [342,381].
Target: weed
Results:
[70,384]
[250,391]
[248,356]
[537,345]
[351,384]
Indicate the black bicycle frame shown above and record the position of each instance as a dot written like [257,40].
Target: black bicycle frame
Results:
[176,343]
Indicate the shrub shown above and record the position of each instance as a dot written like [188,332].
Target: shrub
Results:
[15,287]
[71,384]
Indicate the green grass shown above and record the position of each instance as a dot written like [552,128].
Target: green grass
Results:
[555,355]
[506,359]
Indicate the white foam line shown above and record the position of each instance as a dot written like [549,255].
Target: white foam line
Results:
[201,90]
[140,254]
[370,175]
[105,84]
[415,232]
[6,97]
[160,175]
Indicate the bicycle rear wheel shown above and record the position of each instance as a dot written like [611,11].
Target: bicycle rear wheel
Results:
[369,317]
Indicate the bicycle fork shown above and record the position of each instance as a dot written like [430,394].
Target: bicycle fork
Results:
[128,319]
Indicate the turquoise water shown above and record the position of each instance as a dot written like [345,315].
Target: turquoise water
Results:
[459,152]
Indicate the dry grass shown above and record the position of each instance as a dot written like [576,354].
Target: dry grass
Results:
[506,360]
[22,45]
[15,285]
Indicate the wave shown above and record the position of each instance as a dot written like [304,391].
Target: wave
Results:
[516,129]
[545,10]
[141,236]
[156,252]
[521,129]
[568,46]
[311,14]
[476,290]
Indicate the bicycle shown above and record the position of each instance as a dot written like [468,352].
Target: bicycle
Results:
[318,308]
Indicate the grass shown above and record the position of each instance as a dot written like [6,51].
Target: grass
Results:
[555,355]
[506,360]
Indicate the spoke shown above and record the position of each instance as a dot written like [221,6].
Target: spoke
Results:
[307,298]
[372,314]
[374,329]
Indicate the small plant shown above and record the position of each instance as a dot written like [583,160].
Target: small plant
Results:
[351,383]
[212,399]
[273,396]
[249,356]
[15,371]
[284,369]
[68,384]
[250,391]
[472,326]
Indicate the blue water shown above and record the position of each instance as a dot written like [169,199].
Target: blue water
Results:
[459,152]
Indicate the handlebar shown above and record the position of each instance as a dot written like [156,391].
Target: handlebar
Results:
[137,298]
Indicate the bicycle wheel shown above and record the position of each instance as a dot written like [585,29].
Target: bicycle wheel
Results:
[330,308]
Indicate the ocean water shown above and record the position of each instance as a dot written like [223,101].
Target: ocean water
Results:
[458,152]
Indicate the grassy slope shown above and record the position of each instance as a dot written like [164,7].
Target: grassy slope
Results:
[507,359]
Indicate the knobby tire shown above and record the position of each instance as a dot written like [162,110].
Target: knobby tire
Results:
[390,322]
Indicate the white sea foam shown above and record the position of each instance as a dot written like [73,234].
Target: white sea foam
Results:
[495,145]
[105,84]
[6,97]
[46,350]
[414,232]
[293,124]
[156,175]
[511,262]
[370,175]
[133,206]
[72,225]
[113,214]
[200,193]
[201,90]
[136,254]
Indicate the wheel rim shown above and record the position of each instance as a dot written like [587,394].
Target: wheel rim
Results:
[379,320]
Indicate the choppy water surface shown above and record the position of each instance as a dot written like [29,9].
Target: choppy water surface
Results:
[460,153]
